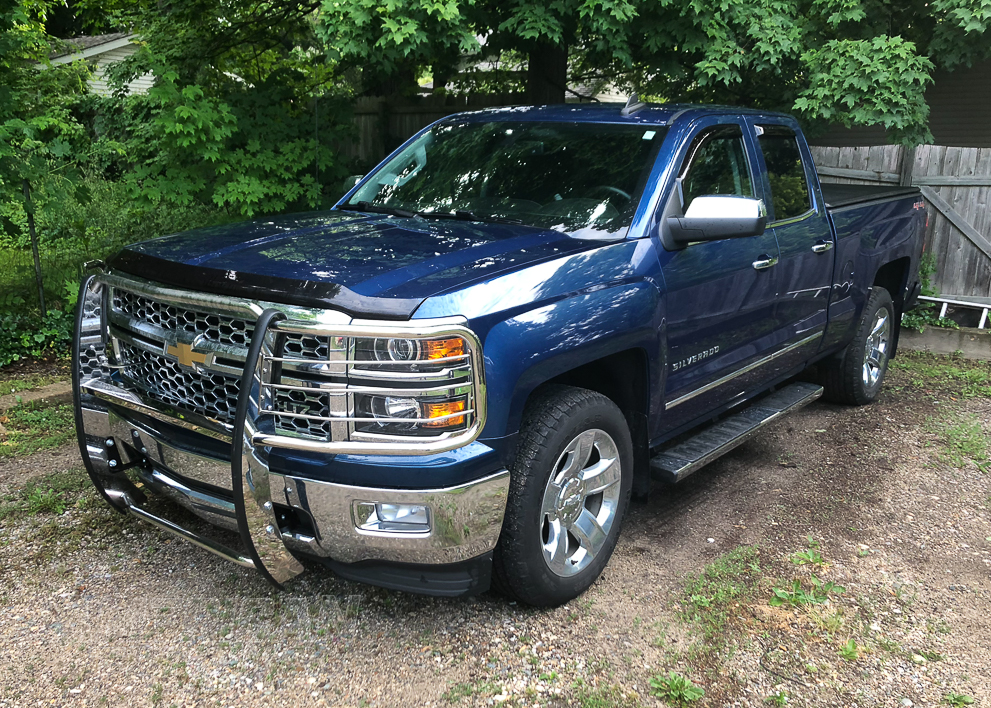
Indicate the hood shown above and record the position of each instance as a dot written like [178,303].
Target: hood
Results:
[365,265]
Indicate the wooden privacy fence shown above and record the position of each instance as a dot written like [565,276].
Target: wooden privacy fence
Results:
[384,124]
[956,183]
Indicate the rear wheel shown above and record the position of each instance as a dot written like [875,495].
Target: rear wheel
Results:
[569,490]
[856,376]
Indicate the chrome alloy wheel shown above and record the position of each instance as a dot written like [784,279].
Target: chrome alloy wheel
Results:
[876,348]
[580,502]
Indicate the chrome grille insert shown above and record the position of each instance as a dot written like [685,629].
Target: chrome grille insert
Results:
[160,378]
[177,318]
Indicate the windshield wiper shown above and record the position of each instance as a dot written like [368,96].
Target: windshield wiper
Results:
[376,209]
[468,216]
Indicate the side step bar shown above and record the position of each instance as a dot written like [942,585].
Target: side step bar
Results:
[676,463]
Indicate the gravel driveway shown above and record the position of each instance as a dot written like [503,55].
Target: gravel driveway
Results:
[883,502]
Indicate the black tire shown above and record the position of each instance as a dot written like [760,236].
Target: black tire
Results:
[845,378]
[559,425]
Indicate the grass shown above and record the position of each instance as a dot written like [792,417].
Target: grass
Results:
[960,377]
[964,440]
[467,690]
[51,494]
[28,383]
[724,583]
[35,427]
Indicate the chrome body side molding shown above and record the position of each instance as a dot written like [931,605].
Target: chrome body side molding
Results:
[740,372]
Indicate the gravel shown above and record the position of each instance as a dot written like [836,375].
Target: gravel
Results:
[99,609]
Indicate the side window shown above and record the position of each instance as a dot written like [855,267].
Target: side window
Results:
[789,187]
[716,164]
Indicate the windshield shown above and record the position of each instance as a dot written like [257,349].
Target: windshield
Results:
[582,178]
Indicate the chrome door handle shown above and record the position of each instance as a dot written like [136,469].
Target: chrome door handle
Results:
[822,246]
[764,262]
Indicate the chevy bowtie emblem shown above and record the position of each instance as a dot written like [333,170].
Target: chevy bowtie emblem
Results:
[185,354]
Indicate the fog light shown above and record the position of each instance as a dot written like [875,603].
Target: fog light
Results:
[401,518]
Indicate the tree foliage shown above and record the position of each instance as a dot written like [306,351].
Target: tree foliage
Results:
[244,113]
[864,62]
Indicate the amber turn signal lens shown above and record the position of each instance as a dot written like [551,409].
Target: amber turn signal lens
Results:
[443,348]
[438,410]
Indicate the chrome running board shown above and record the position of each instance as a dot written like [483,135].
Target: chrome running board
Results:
[676,463]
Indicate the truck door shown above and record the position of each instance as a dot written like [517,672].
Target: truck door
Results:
[798,219]
[720,294]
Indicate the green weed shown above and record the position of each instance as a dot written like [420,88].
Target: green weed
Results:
[798,596]
[808,557]
[778,698]
[675,688]
[957,699]
[33,427]
[850,651]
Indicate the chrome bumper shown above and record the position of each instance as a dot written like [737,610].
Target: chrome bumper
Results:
[132,445]
[465,521]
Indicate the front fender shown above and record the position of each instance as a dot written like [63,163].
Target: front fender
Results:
[536,346]
[544,320]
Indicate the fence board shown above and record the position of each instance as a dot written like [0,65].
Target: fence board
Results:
[958,180]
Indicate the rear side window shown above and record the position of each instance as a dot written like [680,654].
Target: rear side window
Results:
[716,164]
[789,187]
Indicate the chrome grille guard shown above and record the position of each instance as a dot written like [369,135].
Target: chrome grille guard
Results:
[266,367]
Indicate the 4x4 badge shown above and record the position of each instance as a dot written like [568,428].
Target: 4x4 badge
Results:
[185,354]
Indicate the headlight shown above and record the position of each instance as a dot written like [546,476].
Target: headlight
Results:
[417,389]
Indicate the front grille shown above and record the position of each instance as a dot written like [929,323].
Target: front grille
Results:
[309,403]
[212,395]
[177,318]
[353,387]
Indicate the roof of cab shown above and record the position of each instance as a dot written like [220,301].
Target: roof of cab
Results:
[649,114]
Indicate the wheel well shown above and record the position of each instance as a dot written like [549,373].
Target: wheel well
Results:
[624,379]
[892,277]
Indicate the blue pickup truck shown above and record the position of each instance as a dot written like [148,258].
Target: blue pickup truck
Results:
[459,375]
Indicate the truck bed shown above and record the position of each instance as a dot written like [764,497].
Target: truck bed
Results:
[845,195]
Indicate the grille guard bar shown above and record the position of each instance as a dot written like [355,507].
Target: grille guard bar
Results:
[256,521]
[250,477]
[252,482]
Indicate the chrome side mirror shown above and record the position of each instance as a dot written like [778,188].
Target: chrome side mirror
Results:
[718,216]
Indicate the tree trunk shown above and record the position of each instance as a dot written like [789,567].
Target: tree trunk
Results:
[29,208]
[547,74]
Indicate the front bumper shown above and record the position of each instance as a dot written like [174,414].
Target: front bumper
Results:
[132,445]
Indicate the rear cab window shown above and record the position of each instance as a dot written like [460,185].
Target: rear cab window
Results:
[790,194]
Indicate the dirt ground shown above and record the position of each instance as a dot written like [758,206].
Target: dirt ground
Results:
[886,507]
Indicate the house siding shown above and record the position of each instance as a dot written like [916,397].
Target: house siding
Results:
[102,62]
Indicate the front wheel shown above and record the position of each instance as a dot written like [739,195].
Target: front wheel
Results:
[569,490]
[855,378]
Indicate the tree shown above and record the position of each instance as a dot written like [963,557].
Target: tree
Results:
[244,113]
[39,133]
[863,62]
